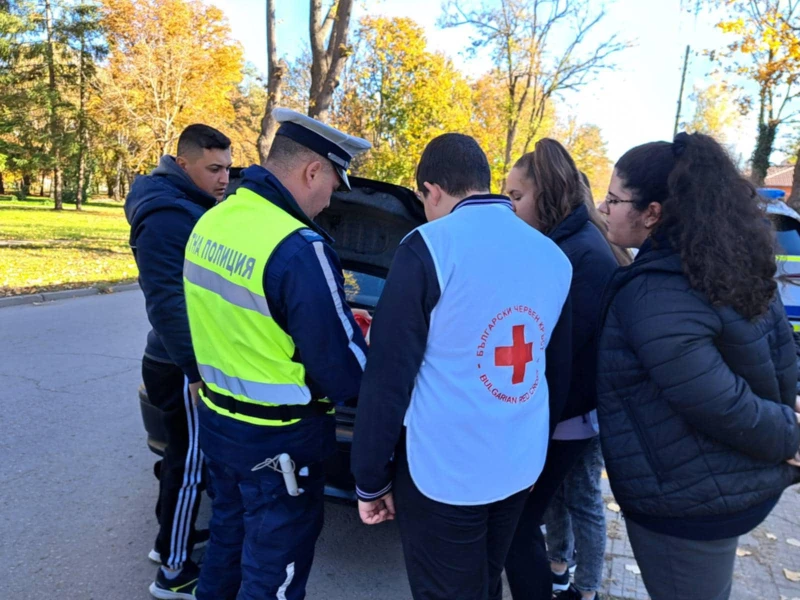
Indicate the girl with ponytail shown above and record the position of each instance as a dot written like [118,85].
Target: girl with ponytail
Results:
[551,195]
[696,366]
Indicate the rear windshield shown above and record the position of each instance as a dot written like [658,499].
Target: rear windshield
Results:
[788,234]
[362,290]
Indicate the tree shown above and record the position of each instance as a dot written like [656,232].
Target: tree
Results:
[171,63]
[83,32]
[248,102]
[399,95]
[52,105]
[717,112]
[541,49]
[275,82]
[328,52]
[590,152]
[488,125]
[766,52]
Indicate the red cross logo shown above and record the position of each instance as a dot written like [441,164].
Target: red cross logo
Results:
[517,355]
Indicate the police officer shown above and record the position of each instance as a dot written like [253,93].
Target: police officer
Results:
[277,347]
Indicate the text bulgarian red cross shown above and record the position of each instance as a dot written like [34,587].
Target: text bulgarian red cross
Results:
[517,355]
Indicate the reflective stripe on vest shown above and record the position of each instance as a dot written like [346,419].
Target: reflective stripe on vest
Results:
[266,393]
[240,350]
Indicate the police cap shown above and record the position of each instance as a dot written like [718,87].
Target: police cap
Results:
[336,146]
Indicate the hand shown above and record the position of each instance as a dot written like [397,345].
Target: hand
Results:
[795,460]
[194,391]
[797,404]
[377,511]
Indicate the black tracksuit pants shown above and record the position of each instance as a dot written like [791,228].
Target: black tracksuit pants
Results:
[453,552]
[182,466]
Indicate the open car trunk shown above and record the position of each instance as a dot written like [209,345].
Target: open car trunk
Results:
[367,224]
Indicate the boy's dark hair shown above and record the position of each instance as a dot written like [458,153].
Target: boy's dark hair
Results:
[456,163]
[198,137]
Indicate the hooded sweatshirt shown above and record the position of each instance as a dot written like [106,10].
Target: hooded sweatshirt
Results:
[162,209]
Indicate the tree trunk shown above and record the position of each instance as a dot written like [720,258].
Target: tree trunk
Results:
[763,151]
[511,136]
[2,184]
[55,141]
[274,88]
[327,63]
[27,182]
[118,180]
[794,197]
[83,141]
[41,184]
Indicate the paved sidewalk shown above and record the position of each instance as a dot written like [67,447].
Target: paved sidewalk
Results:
[762,557]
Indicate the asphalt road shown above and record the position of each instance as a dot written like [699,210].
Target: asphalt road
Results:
[76,486]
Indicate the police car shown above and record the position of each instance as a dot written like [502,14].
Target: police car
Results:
[367,224]
[787,226]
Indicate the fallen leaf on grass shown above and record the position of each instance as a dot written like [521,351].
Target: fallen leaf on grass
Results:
[613,507]
[791,575]
[633,569]
[793,542]
[743,552]
[772,536]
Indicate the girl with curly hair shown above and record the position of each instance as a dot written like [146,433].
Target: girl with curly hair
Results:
[696,366]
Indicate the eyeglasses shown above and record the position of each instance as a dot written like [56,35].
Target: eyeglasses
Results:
[611,201]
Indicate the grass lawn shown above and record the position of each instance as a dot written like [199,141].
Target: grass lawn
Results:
[43,250]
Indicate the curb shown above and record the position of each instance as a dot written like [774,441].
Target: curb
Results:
[64,295]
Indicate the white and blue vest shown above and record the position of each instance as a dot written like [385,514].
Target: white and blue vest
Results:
[478,420]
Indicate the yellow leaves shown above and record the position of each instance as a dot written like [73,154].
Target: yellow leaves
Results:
[172,62]
[735,26]
[399,97]
[769,42]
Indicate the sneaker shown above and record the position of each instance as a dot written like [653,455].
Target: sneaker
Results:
[201,537]
[181,587]
[561,582]
[572,593]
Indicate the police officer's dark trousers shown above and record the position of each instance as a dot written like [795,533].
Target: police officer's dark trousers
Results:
[453,552]
[262,540]
[181,470]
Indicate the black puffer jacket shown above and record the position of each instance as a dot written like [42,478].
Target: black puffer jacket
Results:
[695,402]
[593,265]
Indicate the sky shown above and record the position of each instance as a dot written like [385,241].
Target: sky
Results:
[633,104]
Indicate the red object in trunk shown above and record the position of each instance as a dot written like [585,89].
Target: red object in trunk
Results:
[363,321]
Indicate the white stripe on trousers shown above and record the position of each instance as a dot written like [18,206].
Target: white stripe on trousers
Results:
[289,576]
[182,522]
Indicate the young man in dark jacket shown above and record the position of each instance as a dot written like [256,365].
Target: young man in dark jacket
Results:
[454,412]
[162,208]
